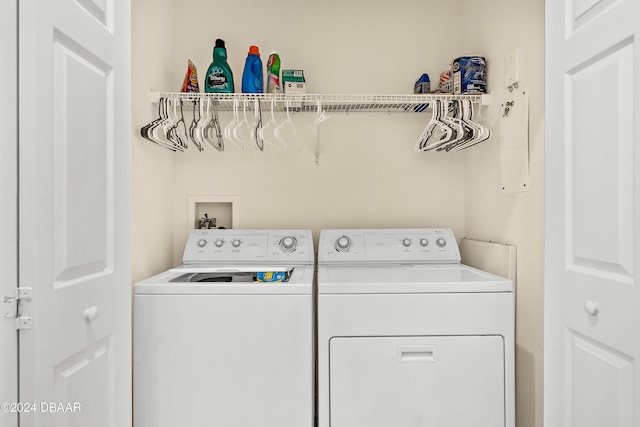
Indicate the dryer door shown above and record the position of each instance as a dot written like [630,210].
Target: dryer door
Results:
[417,381]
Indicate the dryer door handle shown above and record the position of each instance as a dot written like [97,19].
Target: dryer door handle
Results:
[417,354]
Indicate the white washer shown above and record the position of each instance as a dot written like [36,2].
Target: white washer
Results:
[408,336]
[213,346]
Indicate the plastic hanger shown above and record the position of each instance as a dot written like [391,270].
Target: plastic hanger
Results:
[278,131]
[171,126]
[193,127]
[435,130]
[271,123]
[237,131]
[457,132]
[257,125]
[147,130]
[211,132]
[228,130]
[483,134]
[462,131]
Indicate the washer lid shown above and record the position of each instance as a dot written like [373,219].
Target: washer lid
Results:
[187,280]
[399,279]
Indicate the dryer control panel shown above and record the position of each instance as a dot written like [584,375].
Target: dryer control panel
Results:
[249,246]
[406,245]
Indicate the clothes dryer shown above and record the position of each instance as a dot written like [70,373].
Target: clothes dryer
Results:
[409,336]
[227,338]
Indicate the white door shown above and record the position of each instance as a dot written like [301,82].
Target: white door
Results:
[8,210]
[74,145]
[592,214]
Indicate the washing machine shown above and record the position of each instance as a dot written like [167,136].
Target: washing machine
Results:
[409,336]
[227,338]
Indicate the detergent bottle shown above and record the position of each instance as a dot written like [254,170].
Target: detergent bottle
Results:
[219,76]
[273,74]
[252,81]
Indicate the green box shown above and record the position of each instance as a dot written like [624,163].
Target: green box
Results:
[292,76]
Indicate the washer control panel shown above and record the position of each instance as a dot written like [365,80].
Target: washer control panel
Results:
[247,246]
[410,245]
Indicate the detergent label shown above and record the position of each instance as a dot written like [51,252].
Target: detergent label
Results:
[217,80]
[272,276]
[470,74]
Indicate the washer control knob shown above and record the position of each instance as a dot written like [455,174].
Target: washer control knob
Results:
[236,243]
[343,244]
[219,243]
[441,242]
[202,243]
[288,244]
[424,242]
[406,242]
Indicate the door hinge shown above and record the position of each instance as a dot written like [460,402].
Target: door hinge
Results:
[14,304]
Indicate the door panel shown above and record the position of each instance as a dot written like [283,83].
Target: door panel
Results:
[81,206]
[79,374]
[74,193]
[599,383]
[599,164]
[591,213]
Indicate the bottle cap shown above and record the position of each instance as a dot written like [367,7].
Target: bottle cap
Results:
[220,43]
[253,50]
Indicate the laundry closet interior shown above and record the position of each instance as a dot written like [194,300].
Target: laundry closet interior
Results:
[367,173]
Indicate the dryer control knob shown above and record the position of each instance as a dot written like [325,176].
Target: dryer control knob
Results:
[406,242]
[202,243]
[424,242]
[219,243]
[441,242]
[288,244]
[343,244]
[236,243]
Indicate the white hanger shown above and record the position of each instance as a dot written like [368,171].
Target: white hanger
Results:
[288,121]
[270,123]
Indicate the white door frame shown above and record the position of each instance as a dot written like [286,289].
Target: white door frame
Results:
[8,207]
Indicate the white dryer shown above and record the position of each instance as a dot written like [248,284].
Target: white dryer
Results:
[408,336]
[214,345]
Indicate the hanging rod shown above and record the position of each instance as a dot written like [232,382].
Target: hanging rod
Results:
[330,102]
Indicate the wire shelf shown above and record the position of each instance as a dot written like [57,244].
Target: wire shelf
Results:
[326,102]
[207,105]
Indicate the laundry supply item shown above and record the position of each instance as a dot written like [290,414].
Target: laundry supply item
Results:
[422,85]
[219,75]
[273,74]
[470,74]
[293,82]
[190,83]
[446,83]
[272,276]
[252,81]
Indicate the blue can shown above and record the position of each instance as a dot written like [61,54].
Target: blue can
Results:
[470,74]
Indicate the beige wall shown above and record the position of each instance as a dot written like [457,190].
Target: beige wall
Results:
[515,218]
[369,174]
[152,175]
